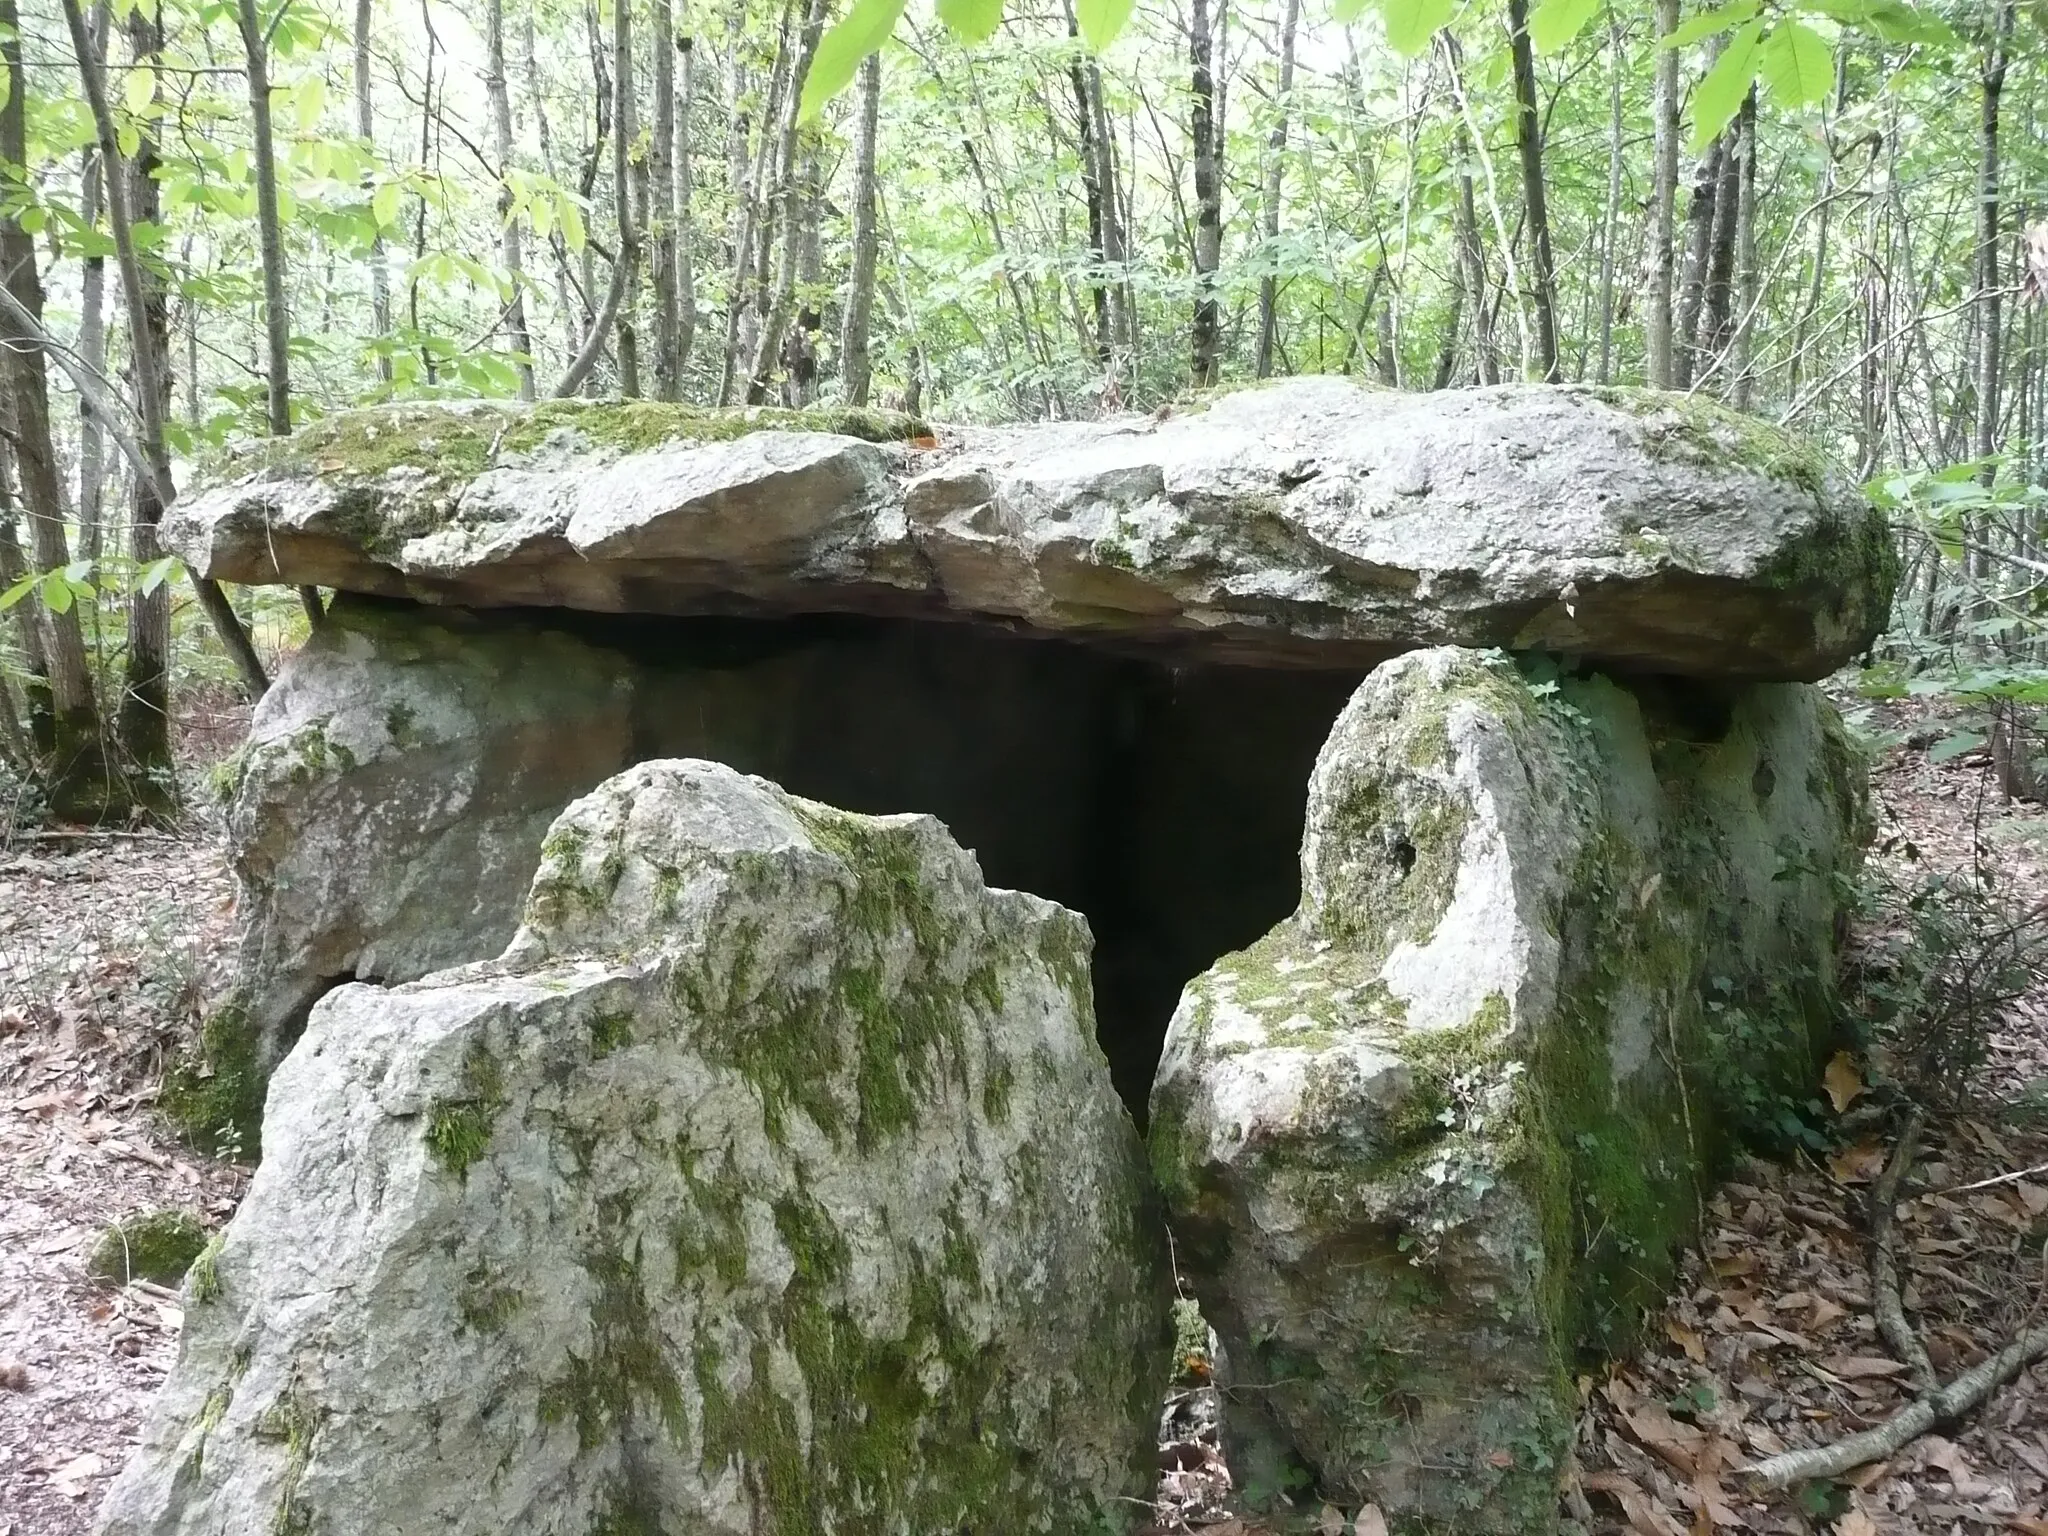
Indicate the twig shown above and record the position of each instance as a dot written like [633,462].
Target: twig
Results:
[1884,1262]
[1874,1444]
[1994,1181]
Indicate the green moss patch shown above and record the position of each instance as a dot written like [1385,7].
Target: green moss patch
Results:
[159,1246]
[212,1095]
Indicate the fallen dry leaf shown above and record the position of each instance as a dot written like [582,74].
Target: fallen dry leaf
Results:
[1858,1164]
[1370,1522]
[1855,1523]
[1842,1081]
[1860,1367]
[1687,1339]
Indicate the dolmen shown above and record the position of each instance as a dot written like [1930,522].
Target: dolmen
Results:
[721,892]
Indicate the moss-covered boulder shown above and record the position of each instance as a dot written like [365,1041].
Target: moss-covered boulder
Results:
[1435,1138]
[1312,521]
[770,1182]
[159,1246]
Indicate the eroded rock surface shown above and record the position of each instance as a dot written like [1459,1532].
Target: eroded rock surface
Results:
[770,1182]
[1441,1130]
[1309,522]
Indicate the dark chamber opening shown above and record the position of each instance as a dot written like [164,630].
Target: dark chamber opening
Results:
[1162,798]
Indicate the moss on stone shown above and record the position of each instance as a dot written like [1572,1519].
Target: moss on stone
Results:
[459,1127]
[635,426]
[625,1371]
[212,1094]
[294,1419]
[159,1246]
[204,1276]
[449,444]
[1694,430]
[485,1304]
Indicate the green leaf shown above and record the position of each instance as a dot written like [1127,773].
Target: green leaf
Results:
[156,573]
[1344,12]
[1556,22]
[18,591]
[1719,96]
[1710,24]
[1412,23]
[139,89]
[972,21]
[385,203]
[1955,746]
[1102,20]
[852,38]
[1797,65]
[57,593]
[309,100]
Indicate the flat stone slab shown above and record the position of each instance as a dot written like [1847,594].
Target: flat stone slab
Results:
[1310,522]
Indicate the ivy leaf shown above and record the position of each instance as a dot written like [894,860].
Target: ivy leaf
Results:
[1711,24]
[972,21]
[1797,65]
[1556,22]
[1102,20]
[852,38]
[1412,23]
[1719,96]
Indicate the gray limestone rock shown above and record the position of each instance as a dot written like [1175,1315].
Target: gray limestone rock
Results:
[1309,522]
[770,1182]
[1442,1130]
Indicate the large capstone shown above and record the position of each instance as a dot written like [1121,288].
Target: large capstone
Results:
[1312,522]
[771,1181]
[1440,1132]
[387,813]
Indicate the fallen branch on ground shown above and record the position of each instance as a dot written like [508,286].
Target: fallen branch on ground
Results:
[1966,1392]
[1885,1297]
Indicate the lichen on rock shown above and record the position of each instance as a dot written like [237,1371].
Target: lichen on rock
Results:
[771,1181]
[1437,1137]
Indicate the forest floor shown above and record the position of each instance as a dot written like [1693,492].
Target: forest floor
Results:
[110,944]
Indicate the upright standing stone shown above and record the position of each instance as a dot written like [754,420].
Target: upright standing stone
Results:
[771,1182]
[1442,1129]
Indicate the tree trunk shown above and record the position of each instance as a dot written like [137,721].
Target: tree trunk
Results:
[153,459]
[366,129]
[1699,256]
[1989,309]
[1276,152]
[92,334]
[510,237]
[686,256]
[145,715]
[1718,287]
[1611,215]
[1657,325]
[627,255]
[81,784]
[661,177]
[856,367]
[1092,195]
[1472,264]
[768,344]
[1739,383]
[277,323]
[1535,208]
[1205,354]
